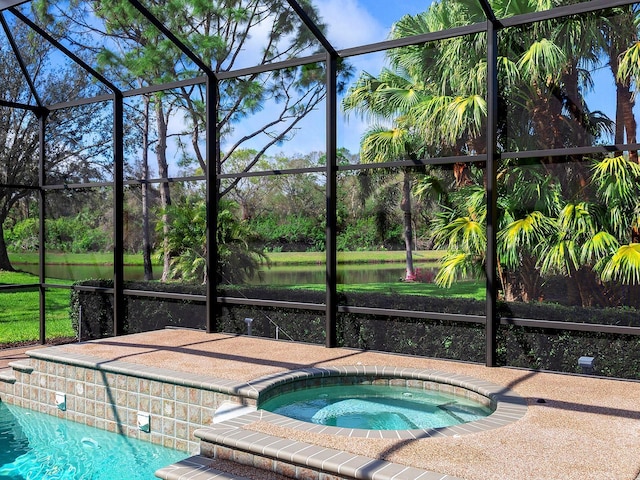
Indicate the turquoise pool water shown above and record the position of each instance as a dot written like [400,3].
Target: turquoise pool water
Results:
[376,407]
[35,446]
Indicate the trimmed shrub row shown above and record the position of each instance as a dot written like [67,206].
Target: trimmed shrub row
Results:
[547,349]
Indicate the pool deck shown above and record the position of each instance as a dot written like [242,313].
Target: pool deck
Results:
[8,355]
[575,427]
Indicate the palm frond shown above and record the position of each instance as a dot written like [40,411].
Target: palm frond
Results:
[577,218]
[629,67]
[508,71]
[380,144]
[617,179]
[463,233]
[455,265]
[561,256]
[465,115]
[523,235]
[597,247]
[542,62]
[430,187]
[624,265]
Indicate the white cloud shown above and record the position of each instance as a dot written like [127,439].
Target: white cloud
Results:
[350,24]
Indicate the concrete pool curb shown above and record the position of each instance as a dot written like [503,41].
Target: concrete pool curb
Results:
[507,405]
[297,459]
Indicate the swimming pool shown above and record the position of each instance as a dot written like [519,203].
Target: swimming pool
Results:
[38,446]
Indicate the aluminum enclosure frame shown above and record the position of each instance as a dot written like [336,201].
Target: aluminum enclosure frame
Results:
[330,57]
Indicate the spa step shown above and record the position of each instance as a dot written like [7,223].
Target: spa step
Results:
[7,376]
[202,468]
[296,459]
[22,366]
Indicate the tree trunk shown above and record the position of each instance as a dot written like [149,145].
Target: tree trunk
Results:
[165,195]
[573,104]
[405,206]
[530,280]
[546,115]
[619,131]
[591,292]
[146,230]
[573,288]
[462,174]
[5,263]
[628,118]
[573,292]
[511,288]
[625,120]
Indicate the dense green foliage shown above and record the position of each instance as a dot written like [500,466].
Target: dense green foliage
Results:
[617,355]
[237,257]
[290,232]
[79,234]
[572,216]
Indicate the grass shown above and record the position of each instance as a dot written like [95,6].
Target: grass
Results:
[20,311]
[99,258]
[276,258]
[310,258]
[469,289]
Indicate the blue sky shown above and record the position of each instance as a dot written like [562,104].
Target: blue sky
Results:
[359,22]
[349,23]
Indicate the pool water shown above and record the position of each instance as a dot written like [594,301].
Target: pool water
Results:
[376,407]
[36,446]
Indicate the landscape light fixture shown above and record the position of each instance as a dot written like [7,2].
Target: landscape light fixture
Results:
[587,364]
[248,321]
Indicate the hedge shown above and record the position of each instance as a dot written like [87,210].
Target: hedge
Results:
[545,349]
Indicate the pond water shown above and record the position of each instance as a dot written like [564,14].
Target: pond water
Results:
[315,274]
[276,275]
[36,446]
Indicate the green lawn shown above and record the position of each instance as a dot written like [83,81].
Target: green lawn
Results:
[104,258]
[276,258]
[470,289]
[310,258]
[20,312]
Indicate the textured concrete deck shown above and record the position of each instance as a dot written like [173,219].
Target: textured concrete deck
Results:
[8,355]
[575,427]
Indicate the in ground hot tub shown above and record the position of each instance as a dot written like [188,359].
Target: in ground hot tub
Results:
[378,404]
[379,398]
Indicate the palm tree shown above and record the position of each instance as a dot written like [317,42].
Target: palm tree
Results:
[620,35]
[238,260]
[385,99]
[451,112]
[543,233]
[593,240]
[460,229]
[412,110]
[543,73]
[618,186]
